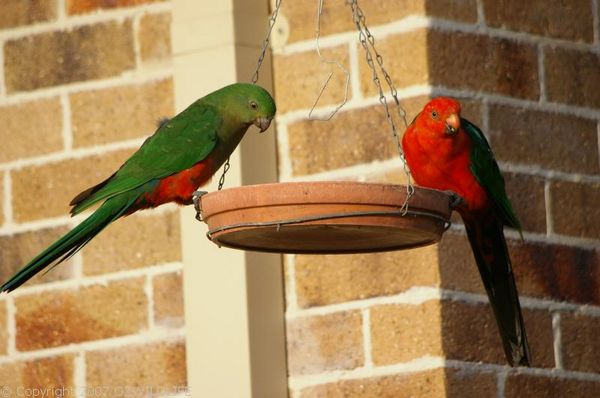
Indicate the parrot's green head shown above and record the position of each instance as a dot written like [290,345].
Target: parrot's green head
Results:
[248,104]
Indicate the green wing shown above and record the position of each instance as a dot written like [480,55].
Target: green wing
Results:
[487,173]
[178,144]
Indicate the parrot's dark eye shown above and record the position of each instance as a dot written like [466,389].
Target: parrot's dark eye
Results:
[253,105]
[434,114]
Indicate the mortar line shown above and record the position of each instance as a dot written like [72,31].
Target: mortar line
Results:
[3,90]
[7,201]
[418,90]
[61,12]
[415,365]
[283,151]
[531,371]
[76,21]
[129,78]
[354,72]
[290,288]
[414,22]
[61,221]
[149,291]
[548,201]
[67,132]
[535,237]
[480,14]
[596,21]
[79,377]
[137,51]
[418,295]
[501,384]
[542,74]
[404,25]
[366,332]
[101,279]
[167,335]
[364,102]
[557,340]
[11,327]
[77,153]
[485,117]
[598,128]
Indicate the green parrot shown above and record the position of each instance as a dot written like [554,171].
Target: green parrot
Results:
[183,154]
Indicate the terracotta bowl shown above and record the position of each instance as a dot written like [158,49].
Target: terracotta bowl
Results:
[324,217]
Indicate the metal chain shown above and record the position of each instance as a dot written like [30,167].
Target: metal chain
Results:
[261,58]
[368,43]
[265,43]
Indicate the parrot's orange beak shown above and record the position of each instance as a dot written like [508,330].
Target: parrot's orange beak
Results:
[262,123]
[452,124]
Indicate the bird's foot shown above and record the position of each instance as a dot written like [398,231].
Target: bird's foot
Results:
[196,195]
[455,200]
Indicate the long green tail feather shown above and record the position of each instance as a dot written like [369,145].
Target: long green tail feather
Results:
[74,240]
[491,255]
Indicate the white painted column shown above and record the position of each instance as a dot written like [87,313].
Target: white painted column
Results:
[234,310]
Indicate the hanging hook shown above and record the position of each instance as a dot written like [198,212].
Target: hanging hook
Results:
[323,60]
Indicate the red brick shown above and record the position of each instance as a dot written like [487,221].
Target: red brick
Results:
[134,242]
[543,270]
[451,63]
[336,17]
[572,76]
[556,272]
[458,270]
[18,249]
[436,383]
[3,328]
[86,6]
[322,280]
[526,386]
[570,20]
[62,317]
[48,377]
[538,325]
[352,137]
[168,299]
[575,209]
[547,140]
[298,88]
[445,59]
[153,369]
[155,37]
[60,181]
[119,113]
[19,12]
[84,53]
[401,333]
[322,343]
[580,345]
[405,71]
[30,129]
[526,194]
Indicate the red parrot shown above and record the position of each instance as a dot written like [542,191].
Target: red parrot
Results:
[449,153]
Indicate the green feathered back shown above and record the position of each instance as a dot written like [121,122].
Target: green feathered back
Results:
[486,171]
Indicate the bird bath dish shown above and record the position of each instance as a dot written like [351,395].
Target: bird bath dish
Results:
[324,217]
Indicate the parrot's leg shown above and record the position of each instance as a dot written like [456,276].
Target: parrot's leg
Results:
[455,200]
[196,195]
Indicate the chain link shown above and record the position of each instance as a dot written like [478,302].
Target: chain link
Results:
[367,41]
[261,58]
[265,43]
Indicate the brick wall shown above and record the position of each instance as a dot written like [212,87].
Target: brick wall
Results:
[416,323]
[81,84]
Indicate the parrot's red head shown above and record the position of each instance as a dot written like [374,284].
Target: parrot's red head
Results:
[441,115]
